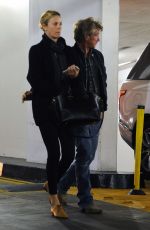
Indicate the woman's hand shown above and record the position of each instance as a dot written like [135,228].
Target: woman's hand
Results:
[27,96]
[72,71]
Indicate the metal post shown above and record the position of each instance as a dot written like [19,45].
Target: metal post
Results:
[1,168]
[138,150]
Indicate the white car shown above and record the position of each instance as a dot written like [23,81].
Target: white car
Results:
[136,91]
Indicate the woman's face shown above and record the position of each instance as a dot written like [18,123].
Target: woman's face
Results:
[53,29]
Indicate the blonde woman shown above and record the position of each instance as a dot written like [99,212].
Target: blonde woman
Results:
[47,61]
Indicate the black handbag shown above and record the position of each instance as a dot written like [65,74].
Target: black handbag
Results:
[84,109]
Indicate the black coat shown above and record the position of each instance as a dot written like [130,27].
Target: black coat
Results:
[76,56]
[46,62]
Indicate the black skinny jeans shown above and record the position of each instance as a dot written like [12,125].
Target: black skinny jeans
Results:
[59,143]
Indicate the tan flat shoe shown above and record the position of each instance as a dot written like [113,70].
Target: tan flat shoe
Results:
[58,211]
[62,197]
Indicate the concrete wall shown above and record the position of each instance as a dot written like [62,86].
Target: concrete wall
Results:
[13,67]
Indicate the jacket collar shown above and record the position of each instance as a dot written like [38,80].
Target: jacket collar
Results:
[76,45]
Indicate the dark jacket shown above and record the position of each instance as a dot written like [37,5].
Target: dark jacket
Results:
[46,62]
[76,57]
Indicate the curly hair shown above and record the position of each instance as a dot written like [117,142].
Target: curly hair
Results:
[85,27]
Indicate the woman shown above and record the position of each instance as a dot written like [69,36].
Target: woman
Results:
[47,61]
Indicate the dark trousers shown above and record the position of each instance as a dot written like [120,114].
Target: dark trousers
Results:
[60,147]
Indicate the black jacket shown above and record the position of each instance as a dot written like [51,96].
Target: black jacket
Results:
[76,57]
[46,62]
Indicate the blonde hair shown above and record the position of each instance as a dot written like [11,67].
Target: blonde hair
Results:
[84,27]
[46,16]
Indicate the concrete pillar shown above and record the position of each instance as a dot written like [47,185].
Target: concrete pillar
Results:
[110,39]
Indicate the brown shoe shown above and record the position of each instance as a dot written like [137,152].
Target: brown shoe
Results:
[58,211]
[91,209]
[45,186]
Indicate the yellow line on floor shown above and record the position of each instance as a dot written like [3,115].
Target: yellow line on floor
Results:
[14,181]
[120,197]
[113,196]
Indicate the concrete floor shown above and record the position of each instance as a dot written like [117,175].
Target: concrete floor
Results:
[21,208]
[24,211]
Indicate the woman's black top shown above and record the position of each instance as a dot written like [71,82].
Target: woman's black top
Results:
[47,60]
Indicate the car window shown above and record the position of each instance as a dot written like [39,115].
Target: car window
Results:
[141,70]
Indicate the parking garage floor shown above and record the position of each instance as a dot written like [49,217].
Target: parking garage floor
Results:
[24,205]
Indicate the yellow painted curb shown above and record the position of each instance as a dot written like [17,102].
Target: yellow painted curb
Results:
[120,197]
[13,181]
